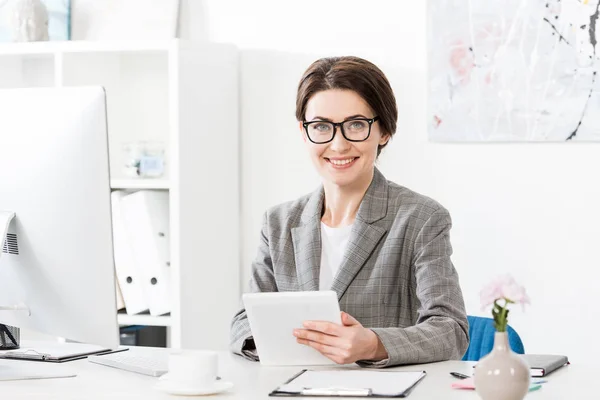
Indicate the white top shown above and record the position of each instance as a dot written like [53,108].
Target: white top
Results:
[333,245]
[251,381]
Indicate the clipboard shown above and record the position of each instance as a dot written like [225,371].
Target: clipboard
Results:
[350,383]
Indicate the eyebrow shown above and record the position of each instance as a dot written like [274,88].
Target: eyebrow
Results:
[319,118]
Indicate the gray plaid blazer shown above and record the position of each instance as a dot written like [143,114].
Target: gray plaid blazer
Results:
[396,276]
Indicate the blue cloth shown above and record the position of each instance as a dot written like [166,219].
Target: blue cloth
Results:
[481,334]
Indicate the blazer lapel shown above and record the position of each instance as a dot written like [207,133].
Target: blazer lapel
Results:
[307,243]
[365,235]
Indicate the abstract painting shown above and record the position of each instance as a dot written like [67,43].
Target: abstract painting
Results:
[513,70]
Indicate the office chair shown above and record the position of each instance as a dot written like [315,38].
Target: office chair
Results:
[481,334]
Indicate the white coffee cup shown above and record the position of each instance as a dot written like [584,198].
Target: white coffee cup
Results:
[193,367]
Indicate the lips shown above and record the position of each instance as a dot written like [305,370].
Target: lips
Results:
[340,163]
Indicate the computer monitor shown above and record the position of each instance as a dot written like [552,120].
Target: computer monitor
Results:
[54,176]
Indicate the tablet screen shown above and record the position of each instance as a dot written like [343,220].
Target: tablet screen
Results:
[274,316]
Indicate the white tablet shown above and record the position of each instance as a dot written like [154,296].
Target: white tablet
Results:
[273,317]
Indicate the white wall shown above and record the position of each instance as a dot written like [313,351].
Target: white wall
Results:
[527,209]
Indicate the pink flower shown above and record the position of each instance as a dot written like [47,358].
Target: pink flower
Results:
[503,287]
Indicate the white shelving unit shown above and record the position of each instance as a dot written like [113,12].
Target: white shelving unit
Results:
[82,46]
[138,184]
[185,96]
[144,319]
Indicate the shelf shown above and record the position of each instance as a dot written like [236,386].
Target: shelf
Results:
[136,184]
[144,319]
[154,88]
[82,46]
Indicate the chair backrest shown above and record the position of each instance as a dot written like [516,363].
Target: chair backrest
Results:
[481,334]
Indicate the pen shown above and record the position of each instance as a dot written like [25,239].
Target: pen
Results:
[459,375]
[534,388]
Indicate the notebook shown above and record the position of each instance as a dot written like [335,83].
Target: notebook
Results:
[55,352]
[543,364]
[351,383]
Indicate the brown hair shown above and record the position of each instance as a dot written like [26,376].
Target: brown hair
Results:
[350,73]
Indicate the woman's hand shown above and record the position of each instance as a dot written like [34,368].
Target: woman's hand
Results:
[344,344]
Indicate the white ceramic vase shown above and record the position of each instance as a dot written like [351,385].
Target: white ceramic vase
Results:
[28,20]
[502,374]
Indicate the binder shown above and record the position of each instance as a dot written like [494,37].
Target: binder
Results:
[129,280]
[350,383]
[146,216]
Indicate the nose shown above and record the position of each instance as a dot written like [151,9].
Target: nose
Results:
[339,143]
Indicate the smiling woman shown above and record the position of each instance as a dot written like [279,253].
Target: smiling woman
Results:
[384,249]
[347,158]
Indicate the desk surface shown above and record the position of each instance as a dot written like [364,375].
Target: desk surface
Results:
[252,381]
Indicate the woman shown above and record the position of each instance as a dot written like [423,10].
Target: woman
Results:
[384,249]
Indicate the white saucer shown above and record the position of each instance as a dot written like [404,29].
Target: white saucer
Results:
[184,389]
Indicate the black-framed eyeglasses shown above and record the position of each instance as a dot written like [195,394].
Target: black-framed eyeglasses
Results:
[353,130]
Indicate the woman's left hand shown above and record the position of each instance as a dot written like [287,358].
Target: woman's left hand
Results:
[344,344]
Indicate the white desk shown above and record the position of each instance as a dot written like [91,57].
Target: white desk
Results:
[251,381]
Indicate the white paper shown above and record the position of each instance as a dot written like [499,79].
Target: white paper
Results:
[380,382]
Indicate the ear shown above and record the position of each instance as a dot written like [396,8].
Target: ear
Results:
[384,139]
[302,131]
